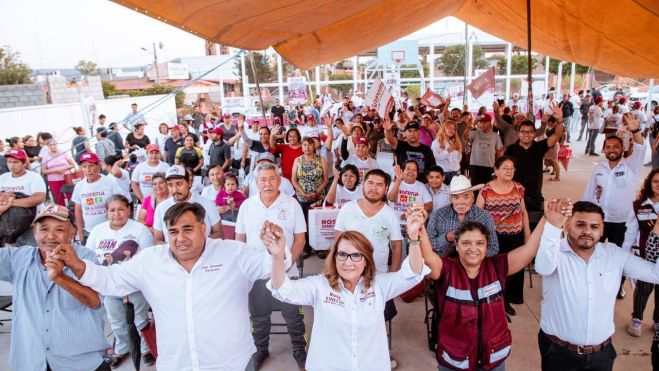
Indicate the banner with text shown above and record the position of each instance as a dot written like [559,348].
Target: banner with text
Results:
[432,99]
[481,83]
[379,98]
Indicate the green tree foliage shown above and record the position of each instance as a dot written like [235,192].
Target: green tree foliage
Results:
[518,65]
[109,90]
[12,70]
[87,68]
[405,74]
[266,68]
[452,62]
[342,89]
[567,67]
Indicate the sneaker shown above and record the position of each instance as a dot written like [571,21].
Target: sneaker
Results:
[634,328]
[259,358]
[148,359]
[393,363]
[621,293]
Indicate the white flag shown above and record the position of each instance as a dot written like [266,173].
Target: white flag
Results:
[380,98]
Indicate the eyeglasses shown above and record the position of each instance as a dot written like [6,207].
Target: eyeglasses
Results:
[343,256]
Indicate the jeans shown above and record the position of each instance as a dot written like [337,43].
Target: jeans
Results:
[103,367]
[584,123]
[553,357]
[592,137]
[567,122]
[480,174]
[641,295]
[116,311]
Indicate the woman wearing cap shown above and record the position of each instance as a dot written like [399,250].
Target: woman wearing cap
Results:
[116,241]
[80,143]
[55,165]
[349,298]
[148,207]
[447,149]
[472,330]
[191,157]
[503,198]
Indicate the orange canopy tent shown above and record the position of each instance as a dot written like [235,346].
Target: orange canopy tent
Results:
[615,36]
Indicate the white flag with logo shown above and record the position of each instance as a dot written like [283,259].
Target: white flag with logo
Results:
[380,98]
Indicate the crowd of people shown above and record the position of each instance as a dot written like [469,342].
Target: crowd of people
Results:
[446,194]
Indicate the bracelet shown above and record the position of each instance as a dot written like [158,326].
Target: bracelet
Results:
[414,242]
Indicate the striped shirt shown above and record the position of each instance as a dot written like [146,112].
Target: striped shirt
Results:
[49,325]
[445,220]
[506,209]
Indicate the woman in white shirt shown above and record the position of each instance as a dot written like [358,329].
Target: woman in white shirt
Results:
[345,186]
[115,242]
[348,300]
[161,138]
[447,149]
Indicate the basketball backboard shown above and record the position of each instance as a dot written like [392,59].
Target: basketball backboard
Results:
[399,52]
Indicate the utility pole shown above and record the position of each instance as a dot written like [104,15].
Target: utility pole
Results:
[155,63]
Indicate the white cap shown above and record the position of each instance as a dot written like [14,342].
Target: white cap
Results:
[176,171]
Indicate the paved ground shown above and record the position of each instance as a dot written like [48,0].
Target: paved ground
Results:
[409,331]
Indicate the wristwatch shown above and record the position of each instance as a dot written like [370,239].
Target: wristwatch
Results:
[635,131]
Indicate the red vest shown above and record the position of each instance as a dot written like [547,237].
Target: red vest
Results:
[646,218]
[472,333]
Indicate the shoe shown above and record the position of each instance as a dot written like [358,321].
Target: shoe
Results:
[148,359]
[593,154]
[115,360]
[621,293]
[511,310]
[634,328]
[259,357]
[393,363]
[300,358]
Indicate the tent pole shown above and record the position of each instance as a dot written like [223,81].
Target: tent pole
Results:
[280,78]
[258,88]
[464,95]
[529,62]
[509,48]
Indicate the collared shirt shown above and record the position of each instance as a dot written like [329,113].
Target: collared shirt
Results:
[614,189]
[211,218]
[285,211]
[579,297]
[440,198]
[202,317]
[49,324]
[445,220]
[348,328]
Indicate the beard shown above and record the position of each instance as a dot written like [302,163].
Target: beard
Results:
[373,199]
[581,242]
[613,156]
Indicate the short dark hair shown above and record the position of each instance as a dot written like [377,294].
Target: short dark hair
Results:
[501,159]
[266,128]
[180,208]
[208,171]
[436,169]
[134,104]
[456,109]
[111,160]
[614,137]
[587,207]
[469,226]
[411,162]
[101,116]
[380,173]
[527,123]
[119,198]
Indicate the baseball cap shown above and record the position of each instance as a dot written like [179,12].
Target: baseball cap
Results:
[175,127]
[89,157]
[637,105]
[412,125]
[152,147]
[599,100]
[188,118]
[176,172]
[276,119]
[311,117]
[218,130]
[54,211]
[486,118]
[226,116]
[360,140]
[622,100]
[18,154]
[112,125]
[265,156]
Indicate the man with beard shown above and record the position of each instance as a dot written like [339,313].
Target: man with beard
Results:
[612,185]
[378,222]
[579,280]
[179,182]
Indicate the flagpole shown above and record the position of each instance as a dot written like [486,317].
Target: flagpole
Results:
[529,62]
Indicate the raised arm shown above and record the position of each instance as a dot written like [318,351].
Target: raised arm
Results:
[388,132]
[395,186]
[331,193]
[546,260]
[557,113]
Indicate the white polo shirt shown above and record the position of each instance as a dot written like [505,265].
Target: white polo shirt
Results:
[285,186]
[286,212]
[348,327]
[211,218]
[202,316]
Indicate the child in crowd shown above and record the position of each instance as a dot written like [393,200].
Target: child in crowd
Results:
[229,199]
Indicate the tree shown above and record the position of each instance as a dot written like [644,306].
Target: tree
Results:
[265,71]
[404,74]
[12,70]
[518,64]
[452,62]
[343,89]
[109,89]
[567,67]
[87,68]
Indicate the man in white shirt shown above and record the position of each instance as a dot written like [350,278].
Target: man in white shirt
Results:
[580,278]
[612,185]
[179,182]
[595,121]
[379,223]
[90,195]
[249,187]
[197,288]
[270,204]
[141,177]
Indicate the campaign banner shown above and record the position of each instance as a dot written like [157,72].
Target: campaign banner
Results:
[379,98]
[297,90]
[481,83]
[321,227]
[432,99]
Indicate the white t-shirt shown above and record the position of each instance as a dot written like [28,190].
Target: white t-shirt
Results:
[121,244]
[124,181]
[143,173]
[209,193]
[212,215]
[448,161]
[595,117]
[92,197]
[285,187]
[408,195]
[362,165]
[28,184]
[343,195]
[286,212]
[379,229]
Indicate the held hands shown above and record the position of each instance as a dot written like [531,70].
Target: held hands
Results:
[416,217]
[273,238]
[557,211]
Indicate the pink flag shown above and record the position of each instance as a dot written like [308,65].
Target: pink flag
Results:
[481,83]
[432,99]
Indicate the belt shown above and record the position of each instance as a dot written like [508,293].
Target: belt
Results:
[579,349]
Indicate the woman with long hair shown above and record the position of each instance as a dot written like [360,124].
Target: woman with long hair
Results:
[55,165]
[447,149]
[640,226]
[31,149]
[80,144]
[148,208]
[15,143]
[503,199]
[349,298]
[289,151]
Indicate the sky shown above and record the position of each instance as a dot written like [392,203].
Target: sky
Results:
[57,34]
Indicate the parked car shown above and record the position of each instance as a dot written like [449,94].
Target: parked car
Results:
[643,96]
[608,91]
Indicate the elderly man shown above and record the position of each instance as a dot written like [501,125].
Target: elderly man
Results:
[57,323]
[270,204]
[249,184]
[197,288]
[444,221]
[179,182]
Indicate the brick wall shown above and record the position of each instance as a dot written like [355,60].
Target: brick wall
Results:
[22,95]
[60,91]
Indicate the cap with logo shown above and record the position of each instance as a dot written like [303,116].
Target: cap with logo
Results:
[176,172]
[188,118]
[89,157]
[54,211]
[18,154]
[360,140]
[412,125]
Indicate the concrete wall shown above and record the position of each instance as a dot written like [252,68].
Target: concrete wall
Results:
[60,91]
[22,95]
[59,119]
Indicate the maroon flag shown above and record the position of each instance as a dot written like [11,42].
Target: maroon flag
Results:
[481,83]
[432,99]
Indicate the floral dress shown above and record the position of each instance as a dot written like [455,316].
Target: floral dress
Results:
[309,175]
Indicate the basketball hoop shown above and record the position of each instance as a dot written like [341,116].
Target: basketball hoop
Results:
[398,56]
